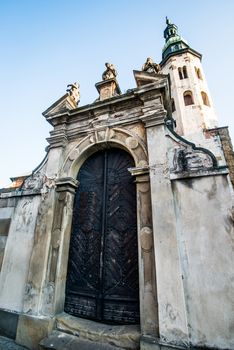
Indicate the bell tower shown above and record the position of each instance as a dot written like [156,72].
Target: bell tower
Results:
[192,106]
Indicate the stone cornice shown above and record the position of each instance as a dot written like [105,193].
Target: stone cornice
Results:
[66,184]
[155,118]
[57,140]
[112,105]
[139,171]
[145,103]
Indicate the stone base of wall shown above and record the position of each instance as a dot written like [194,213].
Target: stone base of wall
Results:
[31,330]
[8,324]
[150,343]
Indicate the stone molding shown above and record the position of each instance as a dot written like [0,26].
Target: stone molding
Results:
[102,138]
[66,184]
[154,119]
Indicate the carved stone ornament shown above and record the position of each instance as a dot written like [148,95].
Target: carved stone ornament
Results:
[146,239]
[48,184]
[191,161]
[188,159]
[34,182]
[131,142]
[74,154]
[25,216]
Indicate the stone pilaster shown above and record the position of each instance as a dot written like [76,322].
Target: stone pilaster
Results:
[54,289]
[147,282]
[170,294]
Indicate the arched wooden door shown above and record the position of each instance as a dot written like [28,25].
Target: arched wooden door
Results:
[102,277]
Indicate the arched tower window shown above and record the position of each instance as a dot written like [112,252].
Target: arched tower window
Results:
[185,74]
[205,99]
[173,105]
[198,72]
[188,98]
[180,73]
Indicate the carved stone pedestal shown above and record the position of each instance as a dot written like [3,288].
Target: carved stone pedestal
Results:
[108,88]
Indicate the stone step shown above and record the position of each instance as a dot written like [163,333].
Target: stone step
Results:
[63,341]
[120,336]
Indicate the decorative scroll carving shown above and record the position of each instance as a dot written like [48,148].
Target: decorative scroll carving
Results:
[191,160]
[186,158]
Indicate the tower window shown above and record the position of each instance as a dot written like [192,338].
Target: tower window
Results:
[173,105]
[198,72]
[205,99]
[180,73]
[188,98]
[183,73]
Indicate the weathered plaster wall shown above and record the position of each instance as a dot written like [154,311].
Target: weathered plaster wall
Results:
[17,253]
[206,244]
[226,143]
[171,300]
[6,213]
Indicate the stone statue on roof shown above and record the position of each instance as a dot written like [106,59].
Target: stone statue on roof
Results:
[74,91]
[110,72]
[150,67]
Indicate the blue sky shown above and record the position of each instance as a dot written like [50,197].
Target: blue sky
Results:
[47,44]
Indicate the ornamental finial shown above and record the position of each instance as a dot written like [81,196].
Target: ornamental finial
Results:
[167,21]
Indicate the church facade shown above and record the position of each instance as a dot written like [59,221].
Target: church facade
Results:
[122,238]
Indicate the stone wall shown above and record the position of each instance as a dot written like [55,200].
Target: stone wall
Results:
[227,149]
[7,206]
[205,243]
[221,137]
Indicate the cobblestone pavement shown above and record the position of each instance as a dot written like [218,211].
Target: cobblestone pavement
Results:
[9,344]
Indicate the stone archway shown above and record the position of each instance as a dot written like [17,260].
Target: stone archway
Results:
[102,279]
[65,185]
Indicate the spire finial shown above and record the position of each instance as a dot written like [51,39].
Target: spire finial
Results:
[167,21]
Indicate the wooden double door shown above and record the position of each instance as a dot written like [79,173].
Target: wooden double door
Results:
[102,278]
